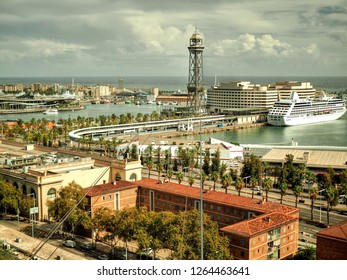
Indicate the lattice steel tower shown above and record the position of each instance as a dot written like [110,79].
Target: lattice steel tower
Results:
[196,100]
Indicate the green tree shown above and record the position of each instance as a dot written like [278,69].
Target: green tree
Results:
[283,187]
[179,177]
[239,184]
[134,152]
[297,191]
[267,186]
[191,180]
[313,196]
[254,182]
[150,166]
[206,163]
[9,197]
[305,253]
[186,242]
[215,164]
[226,182]
[215,176]
[69,207]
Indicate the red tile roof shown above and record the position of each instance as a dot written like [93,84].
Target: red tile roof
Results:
[108,188]
[218,197]
[338,231]
[259,224]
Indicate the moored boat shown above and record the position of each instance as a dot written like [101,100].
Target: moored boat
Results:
[296,111]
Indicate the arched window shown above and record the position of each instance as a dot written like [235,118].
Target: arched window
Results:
[133,177]
[52,193]
[24,189]
[15,185]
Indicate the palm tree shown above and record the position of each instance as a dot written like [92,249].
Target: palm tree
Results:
[179,177]
[283,187]
[330,195]
[203,178]
[226,182]
[169,174]
[239,184]
[313,196]
[215,176]
[297,190]
[191,180]
[150,165]
[160,169]
[254,182]
[267,186]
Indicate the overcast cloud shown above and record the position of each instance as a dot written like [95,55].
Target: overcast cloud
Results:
[150,37]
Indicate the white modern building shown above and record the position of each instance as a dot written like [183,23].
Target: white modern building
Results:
[240,95]
[285,88]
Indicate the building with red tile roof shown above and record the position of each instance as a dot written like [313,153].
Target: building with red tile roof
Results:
[115,195]
[257,229]
[332,242]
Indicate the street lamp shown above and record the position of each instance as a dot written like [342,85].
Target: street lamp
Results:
[32,212]
[320,206]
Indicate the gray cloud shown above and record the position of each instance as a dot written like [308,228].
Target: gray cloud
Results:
[135,37]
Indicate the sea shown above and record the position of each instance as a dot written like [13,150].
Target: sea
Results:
[326,134]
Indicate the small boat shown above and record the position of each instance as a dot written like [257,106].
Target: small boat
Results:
[51,111]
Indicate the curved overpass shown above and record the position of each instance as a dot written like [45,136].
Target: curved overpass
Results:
[143,127]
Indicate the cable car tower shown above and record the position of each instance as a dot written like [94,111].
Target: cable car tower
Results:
[195,87]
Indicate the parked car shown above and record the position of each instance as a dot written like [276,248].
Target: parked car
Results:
[86,246]
[69,243]
[103,257]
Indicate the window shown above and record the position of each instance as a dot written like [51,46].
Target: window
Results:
[103,197]
[116,201]
[151,200]
[51,193]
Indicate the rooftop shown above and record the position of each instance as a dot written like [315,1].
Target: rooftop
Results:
[259,224]
[337,231]
[218,197]
[108,188]
[312,158]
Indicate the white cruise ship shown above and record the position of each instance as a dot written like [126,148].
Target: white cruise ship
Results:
[295,111]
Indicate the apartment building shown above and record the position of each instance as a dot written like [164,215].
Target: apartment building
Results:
[271,236]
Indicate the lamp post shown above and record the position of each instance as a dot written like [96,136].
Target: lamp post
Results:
[320,206]
[32,212]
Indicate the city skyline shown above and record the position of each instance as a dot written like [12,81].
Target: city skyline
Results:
[137,38]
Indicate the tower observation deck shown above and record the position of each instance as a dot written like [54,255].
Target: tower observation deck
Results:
[196,100]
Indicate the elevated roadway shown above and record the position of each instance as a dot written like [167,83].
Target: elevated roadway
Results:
[144,127]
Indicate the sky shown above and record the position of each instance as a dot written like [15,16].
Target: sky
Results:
[150,37]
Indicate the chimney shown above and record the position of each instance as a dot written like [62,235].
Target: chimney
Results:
[104,182]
